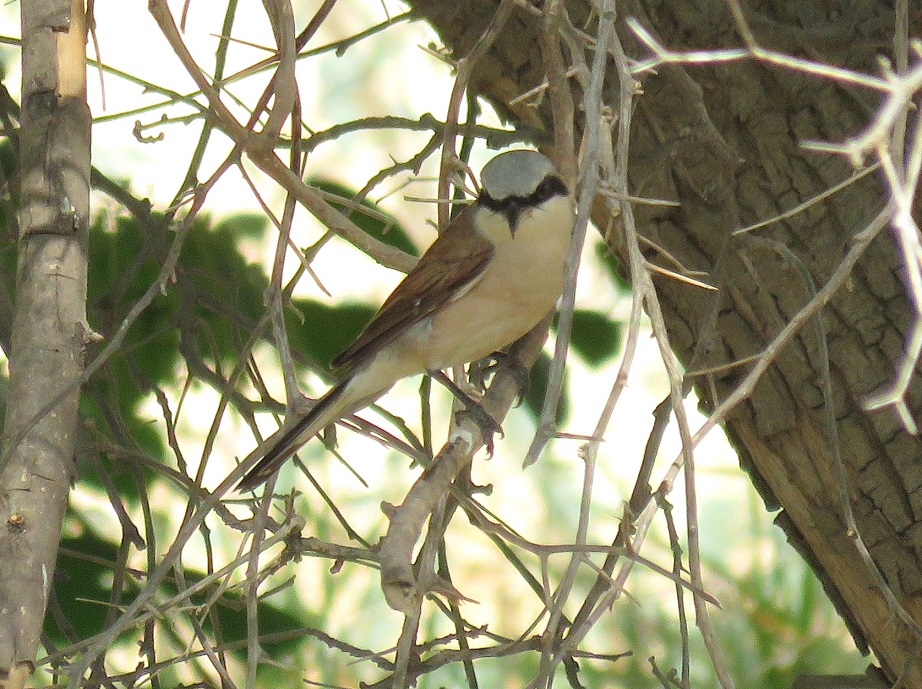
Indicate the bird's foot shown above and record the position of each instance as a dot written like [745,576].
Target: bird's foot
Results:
[487,424]
[520,373]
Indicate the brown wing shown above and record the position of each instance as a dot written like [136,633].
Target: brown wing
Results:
[454,261]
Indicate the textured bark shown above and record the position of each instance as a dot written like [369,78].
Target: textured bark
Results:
[724,141]
[49,327]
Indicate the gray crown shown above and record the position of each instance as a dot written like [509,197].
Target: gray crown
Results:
[515,173]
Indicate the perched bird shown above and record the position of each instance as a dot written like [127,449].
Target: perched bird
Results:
[489,278]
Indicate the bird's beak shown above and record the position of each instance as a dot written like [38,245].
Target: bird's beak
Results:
[513,212]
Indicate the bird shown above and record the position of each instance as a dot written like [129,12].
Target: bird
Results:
[492,275]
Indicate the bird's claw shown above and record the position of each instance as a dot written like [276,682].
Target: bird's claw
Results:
[520,373]
[487,424]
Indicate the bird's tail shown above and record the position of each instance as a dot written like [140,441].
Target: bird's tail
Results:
[332,406]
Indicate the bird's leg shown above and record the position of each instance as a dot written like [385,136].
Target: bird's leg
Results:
[478,372]
[488,425]
[472,384]
[520,373]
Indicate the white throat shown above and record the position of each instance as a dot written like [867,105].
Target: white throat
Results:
[549,223]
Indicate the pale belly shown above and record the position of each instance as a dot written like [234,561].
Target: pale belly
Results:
[497,311]
[489,325]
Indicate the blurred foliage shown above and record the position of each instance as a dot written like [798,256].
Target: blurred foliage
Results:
[89,563]
[322,331]
[203,321]
[596,337]
[370,218]
[533,401]
[774,622]
[612,267]
[82,585]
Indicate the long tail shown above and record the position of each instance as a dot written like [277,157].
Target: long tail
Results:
[332,406]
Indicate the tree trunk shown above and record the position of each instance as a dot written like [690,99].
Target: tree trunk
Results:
[724,140]
[49,326]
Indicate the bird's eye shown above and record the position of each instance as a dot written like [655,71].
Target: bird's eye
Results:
[550,186]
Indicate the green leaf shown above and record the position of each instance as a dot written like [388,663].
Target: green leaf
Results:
[243,225]
[596,337]
[324,331]
[537,389]
[612,266]
[276,626]
[79,587]
[82,592]
[379,224]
